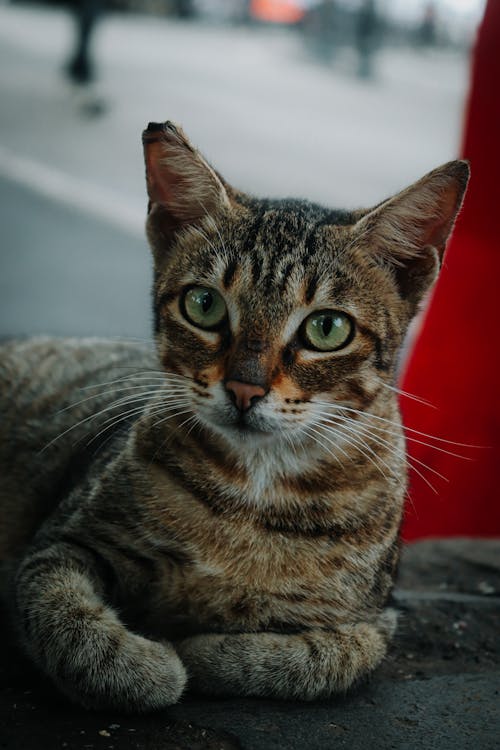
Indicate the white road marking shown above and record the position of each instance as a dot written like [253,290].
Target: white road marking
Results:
[64,188]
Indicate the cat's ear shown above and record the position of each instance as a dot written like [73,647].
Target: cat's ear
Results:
[409,231]
[179,180]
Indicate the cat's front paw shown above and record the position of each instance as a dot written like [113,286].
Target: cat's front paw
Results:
[311,665]
[127,673]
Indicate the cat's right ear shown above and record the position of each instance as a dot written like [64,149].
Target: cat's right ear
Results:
[182,187]
[408,233]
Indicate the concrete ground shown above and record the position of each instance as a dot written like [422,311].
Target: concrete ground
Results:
[439,688]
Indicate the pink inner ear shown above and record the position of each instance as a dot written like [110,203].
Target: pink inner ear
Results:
[437,230]
[180,181]
[161,182]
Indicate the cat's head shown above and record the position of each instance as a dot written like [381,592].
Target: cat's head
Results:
[272,311]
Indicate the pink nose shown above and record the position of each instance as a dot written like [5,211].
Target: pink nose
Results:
[244,394]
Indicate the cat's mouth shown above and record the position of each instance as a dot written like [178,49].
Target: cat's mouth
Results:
[242,425]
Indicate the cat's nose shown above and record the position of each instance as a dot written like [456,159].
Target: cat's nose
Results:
[244,395]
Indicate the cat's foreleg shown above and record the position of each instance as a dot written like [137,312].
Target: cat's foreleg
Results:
[80,642]
[305,666]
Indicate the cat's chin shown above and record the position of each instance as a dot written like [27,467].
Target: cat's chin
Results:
[234,425]
[241,432]
[244,432]
[248,432]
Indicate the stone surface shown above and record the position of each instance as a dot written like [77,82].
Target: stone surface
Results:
[462,565]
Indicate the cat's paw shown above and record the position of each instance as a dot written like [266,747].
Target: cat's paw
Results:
[128,673]
[311,665]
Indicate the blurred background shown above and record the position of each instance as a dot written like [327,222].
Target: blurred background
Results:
[340,101]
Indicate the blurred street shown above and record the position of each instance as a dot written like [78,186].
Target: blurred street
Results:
[271,119]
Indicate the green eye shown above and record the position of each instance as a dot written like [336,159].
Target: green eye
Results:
[327,330]
[204,307]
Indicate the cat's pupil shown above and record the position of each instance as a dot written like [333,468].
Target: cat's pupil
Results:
[206,302]
[326,325]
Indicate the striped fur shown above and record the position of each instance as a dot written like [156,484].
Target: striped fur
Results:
[152,535]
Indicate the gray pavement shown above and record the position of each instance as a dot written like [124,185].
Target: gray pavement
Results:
[65,274]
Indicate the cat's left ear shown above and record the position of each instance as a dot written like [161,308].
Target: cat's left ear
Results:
[179,180]
[409,231]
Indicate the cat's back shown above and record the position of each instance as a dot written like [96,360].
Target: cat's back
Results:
[60,399]
[49,384]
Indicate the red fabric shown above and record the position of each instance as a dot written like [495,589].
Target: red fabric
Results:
[455,363]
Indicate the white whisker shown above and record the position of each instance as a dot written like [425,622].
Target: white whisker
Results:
[193,418]
[356,427]
[170,416]
[357,446]
[289,441]
[311,433]
[368,415]
[122,401]
[153,375]
[332,442]
[115,420]
[135,411]
[408,438]
[155,389]
[405,394]
[213,223]
[205,237]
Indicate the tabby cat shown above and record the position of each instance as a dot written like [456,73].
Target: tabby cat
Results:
[222,512]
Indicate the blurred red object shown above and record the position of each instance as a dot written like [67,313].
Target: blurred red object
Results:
[455,363]
[277,11]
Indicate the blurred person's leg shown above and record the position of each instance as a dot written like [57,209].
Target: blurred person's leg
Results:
[81,68]
[365,38]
